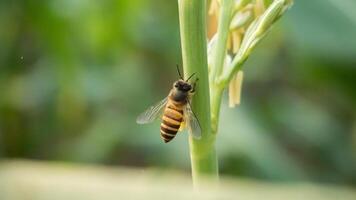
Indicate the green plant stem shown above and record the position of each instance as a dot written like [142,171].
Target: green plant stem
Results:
[221,41]
[226,11]
[216,96]
[192,19]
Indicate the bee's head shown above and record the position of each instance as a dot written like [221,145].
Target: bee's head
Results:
[182,86]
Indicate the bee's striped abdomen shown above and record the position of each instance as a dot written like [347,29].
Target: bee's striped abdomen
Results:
[171,121]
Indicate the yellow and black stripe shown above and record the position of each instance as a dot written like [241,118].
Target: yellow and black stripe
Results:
[171,120]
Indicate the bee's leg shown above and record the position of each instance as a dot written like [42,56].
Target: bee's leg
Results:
[194,84]
[182,125]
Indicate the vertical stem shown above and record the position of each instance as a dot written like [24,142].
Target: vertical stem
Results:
[226,11]
[222,35]
[216,96]
[192,18]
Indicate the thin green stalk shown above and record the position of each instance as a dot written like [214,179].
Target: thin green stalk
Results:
[216,96]
[222,35]
[226,11]
[192,18]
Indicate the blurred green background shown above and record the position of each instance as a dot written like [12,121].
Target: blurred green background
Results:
[75,74]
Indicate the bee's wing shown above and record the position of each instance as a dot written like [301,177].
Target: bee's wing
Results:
[192,122]
[152,112]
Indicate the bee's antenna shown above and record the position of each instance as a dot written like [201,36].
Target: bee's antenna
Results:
[190,77]
[180,75]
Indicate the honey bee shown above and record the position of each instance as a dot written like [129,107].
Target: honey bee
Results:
[174,110]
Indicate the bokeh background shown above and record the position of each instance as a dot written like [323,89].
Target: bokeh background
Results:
[75,74]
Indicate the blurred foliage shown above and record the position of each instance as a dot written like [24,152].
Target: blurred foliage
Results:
[75,74]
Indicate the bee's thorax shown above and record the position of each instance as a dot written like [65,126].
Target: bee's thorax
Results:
[178,95]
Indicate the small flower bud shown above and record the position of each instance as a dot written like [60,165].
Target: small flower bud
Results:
[235,89]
